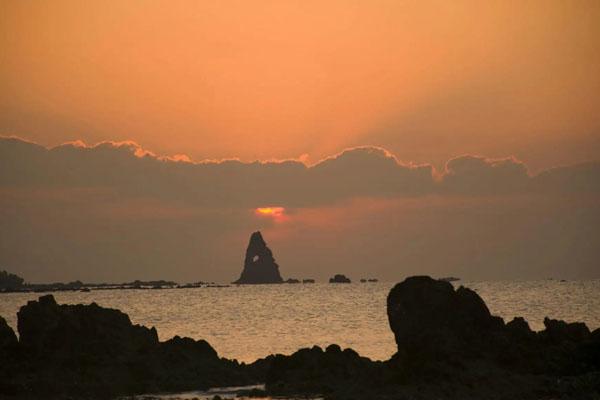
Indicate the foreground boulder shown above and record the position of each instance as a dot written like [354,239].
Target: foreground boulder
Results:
[8,339]
[259,264]
[450,347]
[49,330]
[91,351]
[445,332]
[431,320]
[333,372]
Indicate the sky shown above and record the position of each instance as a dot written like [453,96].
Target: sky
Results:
[387,138]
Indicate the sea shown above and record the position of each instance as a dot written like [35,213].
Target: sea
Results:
[248,322]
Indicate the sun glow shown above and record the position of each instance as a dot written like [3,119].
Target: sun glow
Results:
[274,212]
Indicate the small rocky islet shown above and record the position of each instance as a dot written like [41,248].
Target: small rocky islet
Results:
[259,263]
[260,266]
[449,346]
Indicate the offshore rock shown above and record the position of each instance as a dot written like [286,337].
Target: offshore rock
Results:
[259,264]
[339,278]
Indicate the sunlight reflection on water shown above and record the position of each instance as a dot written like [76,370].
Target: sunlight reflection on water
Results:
[224,393]
[249,322]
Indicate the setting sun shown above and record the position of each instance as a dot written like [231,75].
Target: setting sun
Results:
[275,212]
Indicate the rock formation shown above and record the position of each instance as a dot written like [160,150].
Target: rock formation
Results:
[8,339]
[434,323]
[339,278]
[51,331]
[449,347]
[431,319]
[87,351]
[259,264]
[333,373]
[451,332]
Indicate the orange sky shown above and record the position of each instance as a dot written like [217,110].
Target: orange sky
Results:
[427,80]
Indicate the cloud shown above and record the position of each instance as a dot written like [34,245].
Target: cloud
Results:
[365,171]
[579,178]
[480,175]
[115,211]
[131,170]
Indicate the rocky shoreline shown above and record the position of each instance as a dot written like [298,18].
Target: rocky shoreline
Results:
[449,347]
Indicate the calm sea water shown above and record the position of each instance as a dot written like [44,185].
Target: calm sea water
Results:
[249,322]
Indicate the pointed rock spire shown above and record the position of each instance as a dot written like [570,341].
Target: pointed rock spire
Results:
[259,265]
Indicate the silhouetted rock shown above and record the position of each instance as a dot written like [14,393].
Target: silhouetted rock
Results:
[185,364]
[90,351]
[450,347]
[308,281]
[339,278]
[441,331]
[312,371]
[449,279]
[370,280]
[47,329]
[292,280]
[10,282]
[259,264]
[8,339]
[432,320]
[560,331]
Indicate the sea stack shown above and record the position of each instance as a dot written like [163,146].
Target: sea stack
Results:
[259,264]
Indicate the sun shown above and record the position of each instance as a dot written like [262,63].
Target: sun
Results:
[276,213]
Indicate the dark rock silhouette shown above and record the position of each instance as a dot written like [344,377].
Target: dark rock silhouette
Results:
[449,279]
[90,351]
[308,280]
[339,278]
[8,339]
[449,347]
[430,319]
[10,282]
[433,323]
[438,328]
[314,371]
[259,264]
[49,330]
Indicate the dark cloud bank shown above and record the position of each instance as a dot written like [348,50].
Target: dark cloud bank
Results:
[115,211]
[356,172]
